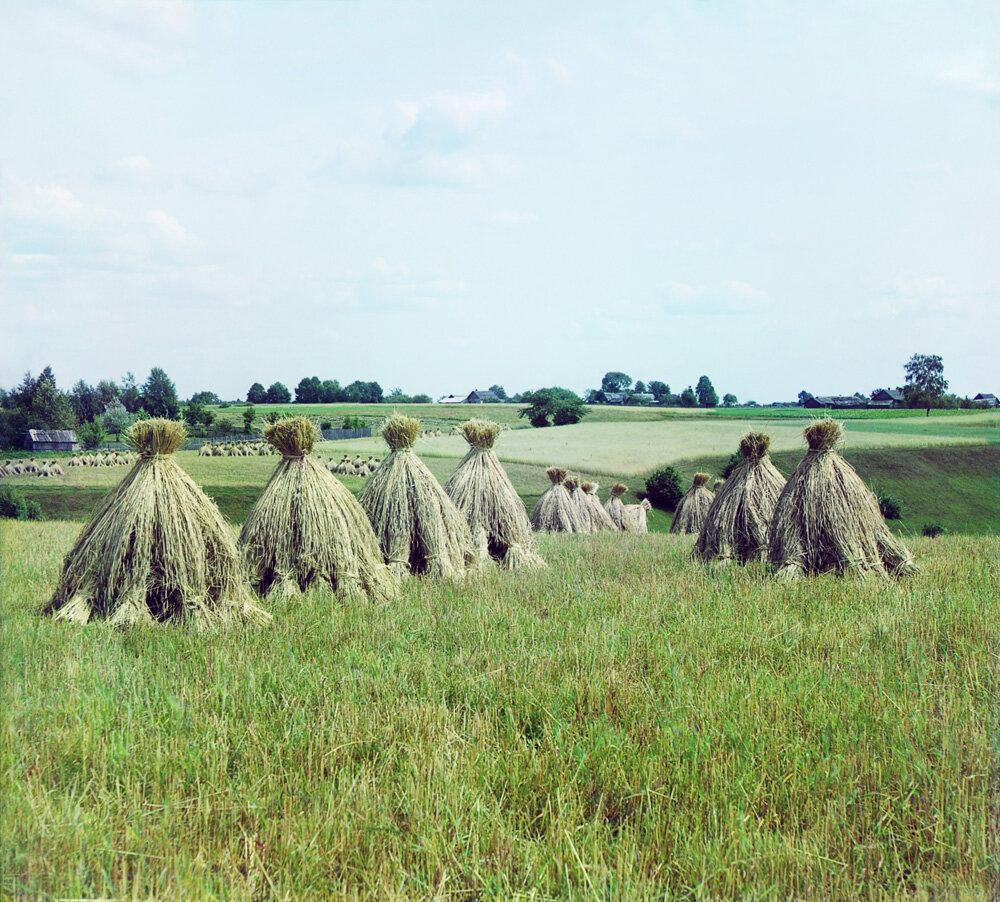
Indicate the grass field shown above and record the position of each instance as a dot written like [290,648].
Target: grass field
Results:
[624,724]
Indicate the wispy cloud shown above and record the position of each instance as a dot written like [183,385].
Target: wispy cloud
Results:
[559,72]
[977,76]
[438,140]
[729,297]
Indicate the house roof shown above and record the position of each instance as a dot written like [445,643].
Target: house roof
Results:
[484,395]
[52,435]
[985,396]
[834,401]
[892,393]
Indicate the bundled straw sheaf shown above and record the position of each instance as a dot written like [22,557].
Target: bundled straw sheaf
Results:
[737,522]
[574,485]
[693,506]
[826,518]
[616,508]
[494,511]
[600,519]
[555,511]
[635,515]
[418,527]
[156,549]
[308,529]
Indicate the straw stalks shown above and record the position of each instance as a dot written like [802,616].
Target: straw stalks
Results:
[156,549]
[555,511]
[307,528]
[827,519]
[693,507]
[494,511]
[739,517]
[419,529]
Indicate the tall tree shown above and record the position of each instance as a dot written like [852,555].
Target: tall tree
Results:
[803,397]
[308,390]
[660,390]
[640,387]
[257,394]
[689,398]
[278,393]
[50,408]
[707,396]
[330,392]
[83,399]
[616,381]
[131,394]
[499,392]
[116,419]
[925,382]
[159,395]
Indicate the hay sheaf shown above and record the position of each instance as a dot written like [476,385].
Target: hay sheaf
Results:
[494,511]
[737,523]
[419,529]
[555,511]
[600,519]
[827,519]
[693,507]
[307,529]
[156,549]
[636,516]
[578,496]
[616,508]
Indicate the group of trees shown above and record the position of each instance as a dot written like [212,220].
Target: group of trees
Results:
[313,390]
[703,394]
[93,410]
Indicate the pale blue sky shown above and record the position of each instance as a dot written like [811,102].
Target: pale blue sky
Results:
[442,196]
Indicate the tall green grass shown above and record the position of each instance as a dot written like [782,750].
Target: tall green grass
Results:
[624,724]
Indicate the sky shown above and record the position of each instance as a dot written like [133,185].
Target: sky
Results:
[445,196]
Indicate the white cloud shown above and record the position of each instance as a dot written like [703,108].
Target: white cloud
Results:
[559,71]
[976,76]
[135,165]
[510,219]
[744,291]
[458,111]
[932,296]
[727,298]
[170,229]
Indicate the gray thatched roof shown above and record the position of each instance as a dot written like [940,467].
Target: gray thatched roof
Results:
[52,435]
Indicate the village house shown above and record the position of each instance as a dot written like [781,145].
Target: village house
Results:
[51,440]
[988,398]
[836,402]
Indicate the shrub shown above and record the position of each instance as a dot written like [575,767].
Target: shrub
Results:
[91,434]
[13,505]
[891,506]
[354,422]
[933,530]
[326,424]
[663,488]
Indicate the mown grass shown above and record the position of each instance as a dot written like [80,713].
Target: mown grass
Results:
[624,724]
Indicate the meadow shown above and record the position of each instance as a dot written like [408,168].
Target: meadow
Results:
[623,724]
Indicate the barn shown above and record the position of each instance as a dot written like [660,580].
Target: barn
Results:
[51,440]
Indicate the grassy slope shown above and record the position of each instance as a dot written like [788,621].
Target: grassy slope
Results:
[958,487]
[622,725]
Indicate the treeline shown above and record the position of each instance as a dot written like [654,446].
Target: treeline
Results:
[313,390]
[617,388]
[92,410]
